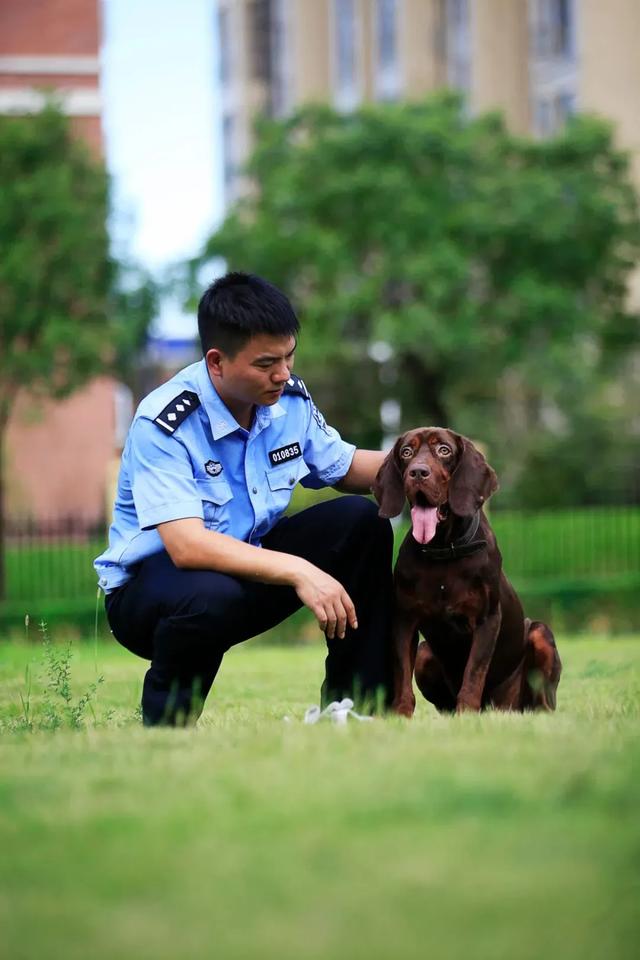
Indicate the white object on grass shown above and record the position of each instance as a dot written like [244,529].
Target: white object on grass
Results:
[338,711]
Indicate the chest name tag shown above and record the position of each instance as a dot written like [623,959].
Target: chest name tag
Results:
[284,454]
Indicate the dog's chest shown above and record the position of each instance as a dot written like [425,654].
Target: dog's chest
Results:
[438,591]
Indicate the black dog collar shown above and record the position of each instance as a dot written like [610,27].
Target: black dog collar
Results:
[462,546]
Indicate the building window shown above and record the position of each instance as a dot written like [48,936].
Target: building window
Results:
[563,28]
[458,44]
[259,18]
[554,29]
[228,153]
[346,55]
[553,64]
[552,112]
[565,107]
[224,46]
[543,118]
[281,86]
[386,43]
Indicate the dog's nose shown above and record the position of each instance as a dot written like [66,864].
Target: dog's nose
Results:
[419,473]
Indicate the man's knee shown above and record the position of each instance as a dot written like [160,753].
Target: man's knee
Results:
[211,609]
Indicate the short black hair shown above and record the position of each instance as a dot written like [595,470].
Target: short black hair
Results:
[238,306]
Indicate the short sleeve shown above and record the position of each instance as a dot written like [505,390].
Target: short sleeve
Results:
[162,478]
[326,454]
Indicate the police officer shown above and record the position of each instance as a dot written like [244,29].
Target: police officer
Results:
[200,556]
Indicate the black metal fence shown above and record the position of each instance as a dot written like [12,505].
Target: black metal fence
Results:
[552,553]
[52,560]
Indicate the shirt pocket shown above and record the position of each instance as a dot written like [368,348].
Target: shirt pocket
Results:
[282,481]
[215,494]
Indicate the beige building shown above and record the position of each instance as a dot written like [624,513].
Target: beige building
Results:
[537,60]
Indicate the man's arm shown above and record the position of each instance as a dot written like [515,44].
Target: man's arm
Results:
[362,472]
[191,546]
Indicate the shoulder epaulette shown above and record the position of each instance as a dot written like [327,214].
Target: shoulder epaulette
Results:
[177,411]
[296,386]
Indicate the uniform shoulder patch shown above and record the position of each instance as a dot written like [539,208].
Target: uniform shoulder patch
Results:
[177,411]
[295,385]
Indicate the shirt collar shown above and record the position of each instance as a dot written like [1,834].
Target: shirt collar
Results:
[221,420]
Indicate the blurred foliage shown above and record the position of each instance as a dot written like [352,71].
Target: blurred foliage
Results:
[55,270]
[68,309]
[496,267]
[134,301]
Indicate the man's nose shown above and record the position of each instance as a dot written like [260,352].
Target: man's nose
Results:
[419,473]
[281,372]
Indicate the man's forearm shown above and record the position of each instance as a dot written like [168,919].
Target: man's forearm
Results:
[362,472]
[191,546]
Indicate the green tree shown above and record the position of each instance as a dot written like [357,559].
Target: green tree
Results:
[65,315]
[496,268]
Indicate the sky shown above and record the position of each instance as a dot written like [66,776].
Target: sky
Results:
[161,133]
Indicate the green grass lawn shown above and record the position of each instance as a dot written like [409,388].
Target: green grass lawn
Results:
[489,836]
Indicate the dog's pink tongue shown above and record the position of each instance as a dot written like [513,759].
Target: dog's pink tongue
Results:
[425,521]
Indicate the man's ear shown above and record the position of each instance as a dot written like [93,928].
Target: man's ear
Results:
[213,359]
[388,488]
[472,482]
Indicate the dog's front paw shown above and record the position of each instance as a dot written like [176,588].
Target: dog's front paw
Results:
[467,706]
[405,706]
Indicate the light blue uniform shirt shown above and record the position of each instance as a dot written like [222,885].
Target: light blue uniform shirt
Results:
[186,456]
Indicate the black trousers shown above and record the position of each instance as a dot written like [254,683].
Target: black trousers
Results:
[183,621]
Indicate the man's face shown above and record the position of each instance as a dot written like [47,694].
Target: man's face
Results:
[256,375]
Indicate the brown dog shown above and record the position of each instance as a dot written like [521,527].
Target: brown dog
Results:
[479,650]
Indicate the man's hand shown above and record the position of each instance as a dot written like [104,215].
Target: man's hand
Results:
[327,599]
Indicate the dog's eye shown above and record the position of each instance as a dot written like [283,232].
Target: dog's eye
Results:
[406,453]
[444,450]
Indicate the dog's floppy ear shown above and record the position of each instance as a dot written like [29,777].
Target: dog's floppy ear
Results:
[388,488]
[472,482]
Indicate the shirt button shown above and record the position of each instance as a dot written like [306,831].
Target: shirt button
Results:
[292,480]
[254,489]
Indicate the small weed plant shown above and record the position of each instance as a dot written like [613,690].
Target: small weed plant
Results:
[57,707]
